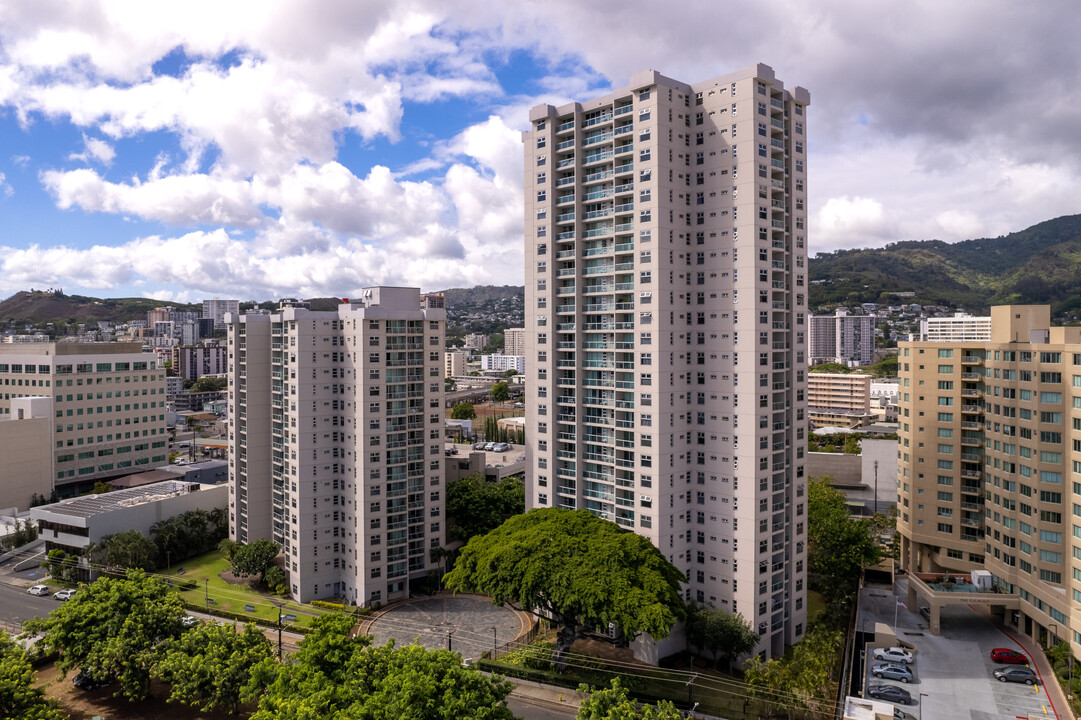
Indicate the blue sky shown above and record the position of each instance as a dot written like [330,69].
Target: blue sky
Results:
[268,149]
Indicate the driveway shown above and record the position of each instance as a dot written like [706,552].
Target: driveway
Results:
[953,671]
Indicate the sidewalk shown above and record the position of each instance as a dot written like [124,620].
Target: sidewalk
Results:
[548,694]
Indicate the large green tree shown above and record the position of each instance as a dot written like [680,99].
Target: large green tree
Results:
[463,411]
[838,545]
[578,570]
[722,634]
[19,697]
[500,392]
[335,676]
[254,558]
[612,703]
[476,506]
[111,629]
[210,666]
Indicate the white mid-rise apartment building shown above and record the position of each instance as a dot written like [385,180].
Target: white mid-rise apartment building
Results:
[454,363]
[666,294]
[841,338]
[216,310]
[960,327]
[336,443]
[502,363]
[109,403]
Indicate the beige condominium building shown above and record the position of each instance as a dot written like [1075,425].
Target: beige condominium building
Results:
[514,341]
[665,313]
[335,429]
[839,400]
[108,401]
[990,464]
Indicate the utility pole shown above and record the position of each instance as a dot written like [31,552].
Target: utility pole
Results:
[494,642]
[690,687]
[449,633]
[876,487]
[279,634]
[206,590]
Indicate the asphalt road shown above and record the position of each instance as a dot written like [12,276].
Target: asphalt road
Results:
[530,709]
[16,607]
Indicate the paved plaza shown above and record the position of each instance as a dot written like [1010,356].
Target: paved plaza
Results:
[468,624]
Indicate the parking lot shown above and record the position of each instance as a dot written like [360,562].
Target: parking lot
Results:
[953,671]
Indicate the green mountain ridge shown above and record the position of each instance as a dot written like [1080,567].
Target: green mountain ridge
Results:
[1038,265]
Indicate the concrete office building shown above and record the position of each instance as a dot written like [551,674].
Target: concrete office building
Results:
[193,362]
[336,441]
[26,446]
[216,309]
[110,405]
[839,400]
[666,288]
[841,338]
[990,463]
[514,341]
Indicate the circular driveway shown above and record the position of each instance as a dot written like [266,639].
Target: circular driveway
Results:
[464,622]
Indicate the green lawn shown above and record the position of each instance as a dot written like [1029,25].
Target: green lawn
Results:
[816,606]
[205,572]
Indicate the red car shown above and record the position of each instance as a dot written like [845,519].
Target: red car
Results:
[1010,657]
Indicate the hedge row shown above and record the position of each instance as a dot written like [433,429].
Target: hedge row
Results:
[241,617]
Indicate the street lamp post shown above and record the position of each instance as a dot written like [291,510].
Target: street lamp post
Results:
[1053,627]
[495,642]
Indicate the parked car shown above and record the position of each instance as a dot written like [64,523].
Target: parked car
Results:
[38,590]
[1010,657]
[926,612]
[85,682]
[489,446]
[893,654]
[189,621]
[892,671]
[64,594]
[1016,674]
[501,447]
[892,693]
[479,446]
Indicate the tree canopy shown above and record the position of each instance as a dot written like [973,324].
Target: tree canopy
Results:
[122,550]
[500,392]
[476,506]
[188,534]
[802,682]
[720,633]
[254,558]
[463,411]
[335,676]
[612,703]
[111,628]
[838,545]
[210,666]
[577,569]
[19,697]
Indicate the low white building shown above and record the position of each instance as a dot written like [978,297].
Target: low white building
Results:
[502,363]
[75,523]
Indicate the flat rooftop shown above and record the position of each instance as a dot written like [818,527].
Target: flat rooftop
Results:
[91,505]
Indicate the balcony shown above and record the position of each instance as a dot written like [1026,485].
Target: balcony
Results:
[971,360]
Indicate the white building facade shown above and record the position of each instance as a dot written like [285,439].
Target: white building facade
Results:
[666,289]
[841,338]
[335,424]
[502,363]
[216,310]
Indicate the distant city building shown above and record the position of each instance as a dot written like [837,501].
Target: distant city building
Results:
[958,328]
[165,329]
[109,399]
[838,400]
[174,385]
[477,341]
[337,453]
[193,331]
[157,315]
[841,338]
[502,363]
[215,310]
[514,341]
[36,337]
[193,362]
[454,363]
[26,446]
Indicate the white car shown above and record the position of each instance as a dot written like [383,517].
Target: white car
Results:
[189,621]
[892,654]
[64,595]
[38,590]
